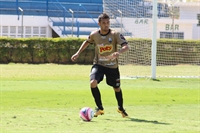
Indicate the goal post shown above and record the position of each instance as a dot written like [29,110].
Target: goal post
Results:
[154,40]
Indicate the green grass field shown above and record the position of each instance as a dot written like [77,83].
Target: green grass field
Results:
[47,99]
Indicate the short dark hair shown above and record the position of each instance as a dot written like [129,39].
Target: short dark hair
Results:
[103,16]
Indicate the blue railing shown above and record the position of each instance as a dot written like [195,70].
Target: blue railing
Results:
[58,7]
[80,5]
[79,11]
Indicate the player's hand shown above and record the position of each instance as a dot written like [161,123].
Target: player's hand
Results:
[115,55]
[74,57]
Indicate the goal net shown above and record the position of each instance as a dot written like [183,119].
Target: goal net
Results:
[178,36]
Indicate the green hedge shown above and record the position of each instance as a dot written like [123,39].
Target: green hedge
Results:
[42,50]
[60,50]
[169,51]
[178,52]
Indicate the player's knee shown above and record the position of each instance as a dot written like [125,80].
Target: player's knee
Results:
[117,89]
[93,83]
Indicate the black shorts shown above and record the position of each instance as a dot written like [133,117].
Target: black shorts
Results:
[112,75]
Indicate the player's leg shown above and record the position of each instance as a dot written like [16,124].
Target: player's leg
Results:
[113,79]
[96,76]
[119,97]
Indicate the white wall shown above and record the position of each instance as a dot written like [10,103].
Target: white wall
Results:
[189,12]
[196,32]
[33,26]
[142,27]
[187,23]
[185,26]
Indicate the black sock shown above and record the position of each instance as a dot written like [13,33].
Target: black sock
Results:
[97,97]
[119,98]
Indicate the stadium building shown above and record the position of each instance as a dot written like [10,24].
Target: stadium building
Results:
[77,18]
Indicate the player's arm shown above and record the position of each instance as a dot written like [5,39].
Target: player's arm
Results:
[124,45]
[123,49]
[82,47]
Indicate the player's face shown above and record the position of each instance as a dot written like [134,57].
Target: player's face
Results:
[104,25]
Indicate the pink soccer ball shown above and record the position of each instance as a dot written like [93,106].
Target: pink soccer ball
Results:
[86,114]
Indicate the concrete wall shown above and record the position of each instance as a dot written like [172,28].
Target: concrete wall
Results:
[33,26]
[142,27]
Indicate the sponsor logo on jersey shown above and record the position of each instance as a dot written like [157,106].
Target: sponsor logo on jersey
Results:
[110,40]
[106,48]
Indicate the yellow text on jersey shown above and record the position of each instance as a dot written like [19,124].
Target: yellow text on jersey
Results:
[106,48]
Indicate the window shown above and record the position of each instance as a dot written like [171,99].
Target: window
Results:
[175,35]
[28,30]
[198,17]
[36,30]
[12,29]
[42,30]
[5,29]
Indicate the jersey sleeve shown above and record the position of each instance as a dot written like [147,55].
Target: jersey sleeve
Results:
[120,39]
[90,38]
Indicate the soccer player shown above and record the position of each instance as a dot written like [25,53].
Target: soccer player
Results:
[105,61]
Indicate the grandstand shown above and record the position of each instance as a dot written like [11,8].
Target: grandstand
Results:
[60,18]
[63,17]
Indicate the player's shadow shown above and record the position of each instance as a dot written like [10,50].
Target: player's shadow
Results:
[147,121]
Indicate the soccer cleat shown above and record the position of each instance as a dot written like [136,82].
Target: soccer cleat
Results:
[98,112]
[123,112]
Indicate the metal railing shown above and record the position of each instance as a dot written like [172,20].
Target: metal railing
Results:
[69,12]
[58,8]
[80,5]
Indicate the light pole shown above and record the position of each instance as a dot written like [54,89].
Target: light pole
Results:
[72,20]
[173,12]
[121,18]
[22,25]
[172,15]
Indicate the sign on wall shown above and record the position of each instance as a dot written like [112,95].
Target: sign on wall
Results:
[170,27]
[141,21]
